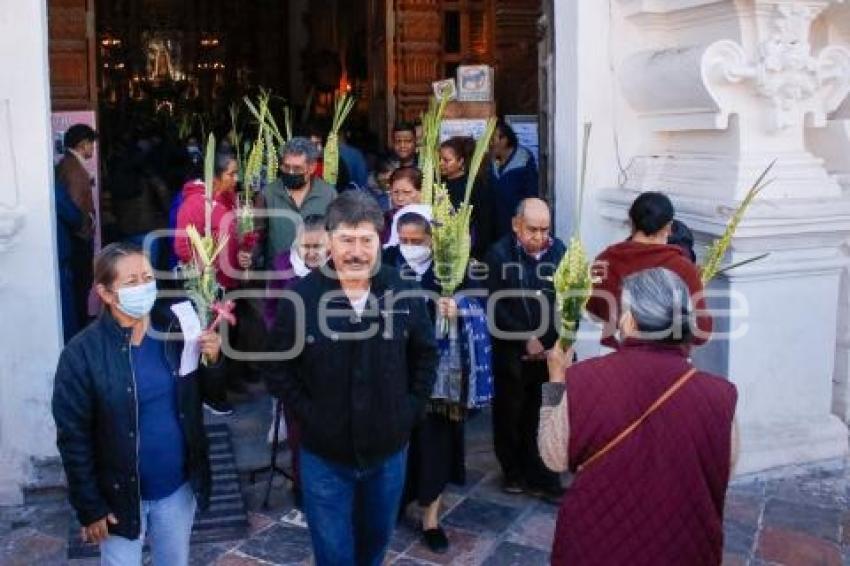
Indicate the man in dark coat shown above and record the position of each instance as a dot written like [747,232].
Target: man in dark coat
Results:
[359,363]
[71,173]
[520,269]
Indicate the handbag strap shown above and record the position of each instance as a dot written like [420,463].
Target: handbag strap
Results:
[631,428]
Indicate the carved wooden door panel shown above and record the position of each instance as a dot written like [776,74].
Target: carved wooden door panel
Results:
[378,56]
[515,57]
[416,55]
[71,51]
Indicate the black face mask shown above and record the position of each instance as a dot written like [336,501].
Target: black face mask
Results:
[293,181]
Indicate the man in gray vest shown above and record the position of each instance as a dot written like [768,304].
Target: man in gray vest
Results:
[298,192]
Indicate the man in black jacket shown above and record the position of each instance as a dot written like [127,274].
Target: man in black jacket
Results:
[361,362]
[522,307]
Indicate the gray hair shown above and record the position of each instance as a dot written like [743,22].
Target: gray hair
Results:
[661,305]
[300,146]
[352,208]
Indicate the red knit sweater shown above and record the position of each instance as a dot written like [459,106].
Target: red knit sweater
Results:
[623,259]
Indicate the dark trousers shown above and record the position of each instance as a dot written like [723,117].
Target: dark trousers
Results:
[82,268]
[516,414]
[351,512]
[70,316]
[293,437]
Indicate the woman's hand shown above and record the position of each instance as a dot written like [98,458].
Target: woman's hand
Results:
[447,307]
[244,259]
[210,345]
[559,361]
[98,531]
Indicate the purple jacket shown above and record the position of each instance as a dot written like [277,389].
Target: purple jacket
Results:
[285,280]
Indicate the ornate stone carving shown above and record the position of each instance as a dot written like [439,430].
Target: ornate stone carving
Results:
[11,213]
[786,72]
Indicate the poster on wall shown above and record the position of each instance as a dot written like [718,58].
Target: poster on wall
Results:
[462,127]
[526,127]
[60,122]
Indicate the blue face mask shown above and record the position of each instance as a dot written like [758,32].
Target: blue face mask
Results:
[137,301]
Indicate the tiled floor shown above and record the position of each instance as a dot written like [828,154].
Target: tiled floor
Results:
[801,518]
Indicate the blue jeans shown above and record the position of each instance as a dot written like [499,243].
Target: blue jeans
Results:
[351,512]
[168,522]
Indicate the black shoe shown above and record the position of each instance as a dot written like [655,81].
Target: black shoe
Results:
[436,540]
[514,487]
[219,408]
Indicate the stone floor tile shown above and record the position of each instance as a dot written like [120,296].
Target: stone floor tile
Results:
[480,515]
[464,548]
[208,553]
[739,538]
[408,561]
[743,508]
[821,522]
[406,533]
[536,529]
[27,546]
[258,522]
[796,549]
[512,554]
[281,544]
[236,559]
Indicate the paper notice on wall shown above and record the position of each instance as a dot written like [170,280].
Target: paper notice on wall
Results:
[190,324]
[462,127]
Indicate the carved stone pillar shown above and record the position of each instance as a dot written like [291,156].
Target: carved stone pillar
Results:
[722,88]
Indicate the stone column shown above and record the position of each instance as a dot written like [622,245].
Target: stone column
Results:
[29,298]
[721,88]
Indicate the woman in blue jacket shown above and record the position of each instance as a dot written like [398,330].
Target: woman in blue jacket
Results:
[129,427]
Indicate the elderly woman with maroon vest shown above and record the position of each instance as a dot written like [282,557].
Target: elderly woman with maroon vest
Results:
[652,440]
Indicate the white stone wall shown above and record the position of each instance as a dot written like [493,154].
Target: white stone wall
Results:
[695,98]
[30,332]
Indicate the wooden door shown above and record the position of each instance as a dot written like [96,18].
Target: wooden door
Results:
[546,90]
[416,56]
[72,55]
[379,54]
[515,55]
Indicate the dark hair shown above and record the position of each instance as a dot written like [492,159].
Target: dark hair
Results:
[315,129]
[412,174]
[651,212]
[77,134]
[505,130]
[106,261]
[414,219]
[386,164]
[314,222]
[353,208]
[681,235]
[222,162]
[462,146]
[193,166]
[404,127]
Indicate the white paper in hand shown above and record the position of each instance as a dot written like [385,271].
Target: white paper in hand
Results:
[191,326]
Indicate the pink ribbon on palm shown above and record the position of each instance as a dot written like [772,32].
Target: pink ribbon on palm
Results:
[223,310]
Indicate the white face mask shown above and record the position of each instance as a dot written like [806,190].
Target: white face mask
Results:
[418,257]
[137,301]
